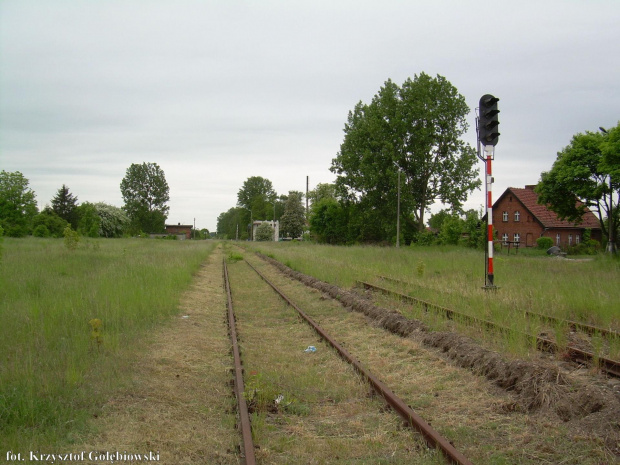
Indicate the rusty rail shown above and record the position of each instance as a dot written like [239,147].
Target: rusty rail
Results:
[432,437]
[244,416]
[608,366]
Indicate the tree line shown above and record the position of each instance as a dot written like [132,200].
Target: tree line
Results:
[406,145]
[145,193]
[258,201]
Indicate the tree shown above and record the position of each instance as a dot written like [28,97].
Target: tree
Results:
[234,224]
[416,129]
[264,232]
[48,223]
[586,174]
[64,204]
[89,221]
[329,221]
[258,196]
[293,221]
[113,220]
[145,192]
[17,204]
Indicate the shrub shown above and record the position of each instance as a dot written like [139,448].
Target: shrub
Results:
[72,238]
[264,232]
[590,247]
[544,243]
[424,238]
[41,231]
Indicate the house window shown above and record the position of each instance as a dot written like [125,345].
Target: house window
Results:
[557,239]
[570,239]
[517,237]
[505,238]
[576,238]
[505,216]
[517,215]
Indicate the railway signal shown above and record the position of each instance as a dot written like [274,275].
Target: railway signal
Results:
[487,125]
[489,122]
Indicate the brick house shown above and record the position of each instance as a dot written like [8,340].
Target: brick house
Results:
[184,231]
[517,217]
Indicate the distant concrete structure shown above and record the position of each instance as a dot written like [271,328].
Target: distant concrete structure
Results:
[274,224]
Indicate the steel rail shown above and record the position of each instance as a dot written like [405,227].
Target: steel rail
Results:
[575,325]
[606,365]
[432,437]
[244,416]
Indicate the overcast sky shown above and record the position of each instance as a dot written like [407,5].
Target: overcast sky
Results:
[218,91]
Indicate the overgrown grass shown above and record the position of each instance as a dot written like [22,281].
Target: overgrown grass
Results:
[55,368]
[585,291]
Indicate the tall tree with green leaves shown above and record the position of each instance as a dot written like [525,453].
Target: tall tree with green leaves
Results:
[417,129]
[18,204]
[146,192]
[64,204]
[258,196]
[586,175]
[293,221]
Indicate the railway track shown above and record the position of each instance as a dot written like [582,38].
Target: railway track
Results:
[607,366]
[412,419]
[574,325]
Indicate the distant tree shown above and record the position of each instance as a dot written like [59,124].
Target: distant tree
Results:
[17,204]
[114,221]
[586,173]
[417,129]
[322,191]
[64,204]
[436,220]
[293,221]
[329,221]
[234,224]
[145,192]
[89,221]
[258,196]
[264,232]
[48,223]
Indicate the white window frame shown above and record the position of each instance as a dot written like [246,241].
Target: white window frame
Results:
[517,237]
[505,238]
[557,239]
[517,216]
[505,217]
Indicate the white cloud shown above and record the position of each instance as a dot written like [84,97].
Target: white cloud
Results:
[215,92]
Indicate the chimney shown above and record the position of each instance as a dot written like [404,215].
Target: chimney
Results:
[530,186]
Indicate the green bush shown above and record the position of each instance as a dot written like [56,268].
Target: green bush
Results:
[589,247]
[41,231]
[424,238]
[544,243]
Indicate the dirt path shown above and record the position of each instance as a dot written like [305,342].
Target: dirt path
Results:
[180,404]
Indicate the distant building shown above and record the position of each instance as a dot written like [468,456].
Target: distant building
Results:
[182,231]
[517,217]
[274,224]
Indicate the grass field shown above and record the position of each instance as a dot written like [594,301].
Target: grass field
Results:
[71,321]
[586,291]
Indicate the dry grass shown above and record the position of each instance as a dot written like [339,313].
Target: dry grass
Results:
[469,410]
[180,402]
[328,414]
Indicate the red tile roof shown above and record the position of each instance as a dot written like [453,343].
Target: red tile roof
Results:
[549,218]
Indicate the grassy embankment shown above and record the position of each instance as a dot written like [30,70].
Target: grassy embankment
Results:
[585,291]
[56,366]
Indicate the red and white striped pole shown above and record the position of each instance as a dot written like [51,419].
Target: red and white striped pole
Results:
[488,149]
[488,136]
